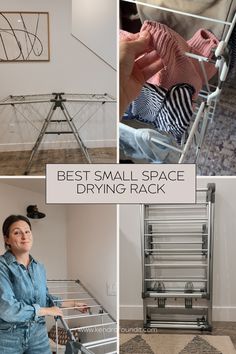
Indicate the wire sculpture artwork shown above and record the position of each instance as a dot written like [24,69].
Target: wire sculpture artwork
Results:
[24,36]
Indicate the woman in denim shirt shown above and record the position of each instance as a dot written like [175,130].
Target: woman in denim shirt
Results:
[24,297]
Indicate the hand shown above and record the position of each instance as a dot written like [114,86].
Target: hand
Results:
[82,307]
[50,311]
[137,65]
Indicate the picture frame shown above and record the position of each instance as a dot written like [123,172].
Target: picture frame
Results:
[24,36]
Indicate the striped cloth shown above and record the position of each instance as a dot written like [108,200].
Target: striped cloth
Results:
[167,110]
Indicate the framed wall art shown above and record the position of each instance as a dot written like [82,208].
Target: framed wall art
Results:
[24,36]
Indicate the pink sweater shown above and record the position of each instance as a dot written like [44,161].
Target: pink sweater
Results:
[171,48]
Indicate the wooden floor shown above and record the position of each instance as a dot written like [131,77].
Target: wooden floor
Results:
[219,329]
[14,163]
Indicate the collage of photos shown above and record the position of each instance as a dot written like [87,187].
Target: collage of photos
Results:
[114,82]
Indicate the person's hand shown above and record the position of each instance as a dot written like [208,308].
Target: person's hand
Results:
[137,65]
[50,311]
[82,307]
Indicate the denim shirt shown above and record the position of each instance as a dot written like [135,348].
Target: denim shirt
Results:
[22,290]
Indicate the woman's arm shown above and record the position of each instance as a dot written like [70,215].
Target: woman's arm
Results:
[12,310]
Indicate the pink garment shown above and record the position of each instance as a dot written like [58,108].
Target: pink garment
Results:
[178,68]
[202,43]
[171,48]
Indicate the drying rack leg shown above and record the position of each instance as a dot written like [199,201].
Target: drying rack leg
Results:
[40,138]
[75,132]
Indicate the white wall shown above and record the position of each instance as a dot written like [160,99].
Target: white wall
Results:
[224,293]
[72,68]
[92,249]
[102,24]
[49,233]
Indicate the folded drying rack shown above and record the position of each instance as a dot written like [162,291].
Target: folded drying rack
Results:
[205,105]
[177,263]
[56,101]
[97,328]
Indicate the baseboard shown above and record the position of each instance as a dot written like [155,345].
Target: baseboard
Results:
[131,312]
[227,313]
[58,145]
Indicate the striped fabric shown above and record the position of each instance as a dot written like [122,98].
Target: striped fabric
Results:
[168,111]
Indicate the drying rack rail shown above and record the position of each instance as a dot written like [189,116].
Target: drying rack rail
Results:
[177,263]
[205,105]
[96,327]
[57,101]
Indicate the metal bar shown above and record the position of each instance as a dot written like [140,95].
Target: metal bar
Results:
[56,336]
[84,316]
[61,281]
[176,243]
[63,286]
[193,221]
[68,293]
[92,326]
[178,325]
[175,250]
[177,307]
[177,265]
[40,138]
[175,295]
[193,130]
[86,298]
[210,257]
[180,233]
[180,12]
[23,102]
[105,100]
[103,308]
[58,132]
[184,257]
[76,133]
[180,206]
[143,229]
[89,344]
[172,147]
[199,57]
[78,307]
[101,344]
[181,280]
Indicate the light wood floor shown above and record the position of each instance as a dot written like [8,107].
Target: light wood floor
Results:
[14,163]
[219,329]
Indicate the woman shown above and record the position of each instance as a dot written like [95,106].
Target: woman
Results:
[24,297]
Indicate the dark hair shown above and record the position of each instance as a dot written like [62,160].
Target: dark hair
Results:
[11,219]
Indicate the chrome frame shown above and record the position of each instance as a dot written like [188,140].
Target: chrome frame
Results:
[163,308]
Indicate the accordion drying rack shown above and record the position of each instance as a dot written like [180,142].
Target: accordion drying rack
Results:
[97,327]
[177,263]
[57,101]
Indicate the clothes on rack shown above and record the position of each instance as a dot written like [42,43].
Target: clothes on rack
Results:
[170,48]
[177,67]
[167,110]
